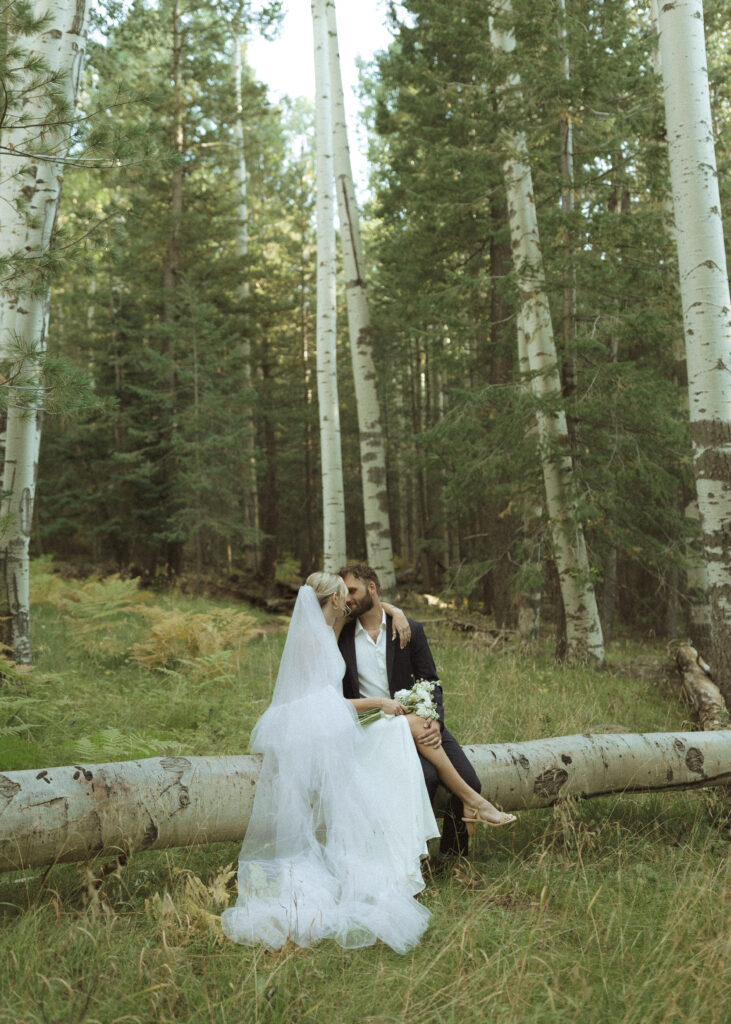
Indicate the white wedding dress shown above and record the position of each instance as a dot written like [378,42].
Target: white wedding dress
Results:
[341,814]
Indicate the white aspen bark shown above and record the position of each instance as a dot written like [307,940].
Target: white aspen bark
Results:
[11,242]
[250,494]
[704,292]
[699,609]
[22,444]
[529,603]
[77,812]
[583,628]
[36,171]
[567,206]
[700,689]
[372,449]
[333,495]
[696,574]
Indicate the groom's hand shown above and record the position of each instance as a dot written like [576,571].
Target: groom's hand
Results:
[425,731]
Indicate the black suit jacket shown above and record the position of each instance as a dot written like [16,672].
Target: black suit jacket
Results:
[415,661]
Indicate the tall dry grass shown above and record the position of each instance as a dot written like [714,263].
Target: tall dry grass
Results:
[613,910]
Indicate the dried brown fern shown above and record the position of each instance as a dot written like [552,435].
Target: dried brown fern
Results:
[213,641]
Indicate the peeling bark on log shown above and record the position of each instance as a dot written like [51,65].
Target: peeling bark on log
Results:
[700,689]
[77,812]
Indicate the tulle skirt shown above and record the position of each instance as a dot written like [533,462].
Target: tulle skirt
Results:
[338,855]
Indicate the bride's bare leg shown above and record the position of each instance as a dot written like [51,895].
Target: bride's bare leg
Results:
[475,805]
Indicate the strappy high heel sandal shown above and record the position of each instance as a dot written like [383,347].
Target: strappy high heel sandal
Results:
[471,817]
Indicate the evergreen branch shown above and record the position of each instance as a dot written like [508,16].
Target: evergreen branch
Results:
[77,119]
[94,162]
[60,248]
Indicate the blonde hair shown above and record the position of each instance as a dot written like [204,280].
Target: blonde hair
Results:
[325,584]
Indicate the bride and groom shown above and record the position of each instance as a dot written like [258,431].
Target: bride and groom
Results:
[377,665]
[341,814]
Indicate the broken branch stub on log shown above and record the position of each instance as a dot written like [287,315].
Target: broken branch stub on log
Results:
[77,812]
[699,688]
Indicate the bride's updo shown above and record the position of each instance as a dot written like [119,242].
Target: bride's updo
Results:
[325,584]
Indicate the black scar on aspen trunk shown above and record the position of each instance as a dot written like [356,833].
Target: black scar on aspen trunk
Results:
[150,835]
[8,789]
[709,433]
[549,783]
[694,760]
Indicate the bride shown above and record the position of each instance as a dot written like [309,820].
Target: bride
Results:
[341,814]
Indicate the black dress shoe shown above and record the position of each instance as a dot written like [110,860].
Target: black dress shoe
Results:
[441,862]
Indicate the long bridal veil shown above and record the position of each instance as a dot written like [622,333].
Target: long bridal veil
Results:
[318,860]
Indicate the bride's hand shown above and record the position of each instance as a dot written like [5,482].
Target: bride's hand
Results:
[400,626]
[392,707]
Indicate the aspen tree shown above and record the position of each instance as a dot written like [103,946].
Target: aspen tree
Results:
[33,171]
[372,449]
[333,496]
[696,572]
[704,292]
[76,812]
[583,629]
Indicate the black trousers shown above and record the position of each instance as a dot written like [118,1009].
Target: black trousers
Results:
[454,831]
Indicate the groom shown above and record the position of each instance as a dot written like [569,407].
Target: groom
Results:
[377,666]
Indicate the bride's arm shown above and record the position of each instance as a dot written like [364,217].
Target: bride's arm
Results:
[384,704]
[399,622]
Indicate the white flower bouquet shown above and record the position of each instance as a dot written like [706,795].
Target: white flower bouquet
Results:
[419,699]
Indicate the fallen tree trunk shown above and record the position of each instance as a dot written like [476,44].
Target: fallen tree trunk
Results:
[76,812]
[700,689]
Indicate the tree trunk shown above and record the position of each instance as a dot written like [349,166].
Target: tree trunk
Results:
[32,175]
[269,510]
[699,609]
[568,314]
[307,555]
[529,600]
[79,811]
[704,291]
[700,689]
[583,629]
[333,495]
[171,282]
[372,450]
[250,495]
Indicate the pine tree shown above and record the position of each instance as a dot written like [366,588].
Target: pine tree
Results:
[443,287]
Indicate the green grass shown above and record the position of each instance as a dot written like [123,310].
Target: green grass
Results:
[611,910]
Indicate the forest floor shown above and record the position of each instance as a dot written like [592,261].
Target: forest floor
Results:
[612,910]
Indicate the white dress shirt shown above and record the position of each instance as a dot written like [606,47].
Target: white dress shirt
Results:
[370,657]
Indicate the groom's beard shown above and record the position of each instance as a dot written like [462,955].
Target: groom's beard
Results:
[362,607]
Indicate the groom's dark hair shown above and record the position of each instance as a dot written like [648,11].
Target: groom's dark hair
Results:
[361,571]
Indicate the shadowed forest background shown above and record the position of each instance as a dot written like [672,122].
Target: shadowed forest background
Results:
[195,379]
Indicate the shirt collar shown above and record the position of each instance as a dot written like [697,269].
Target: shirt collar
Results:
[359,628]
